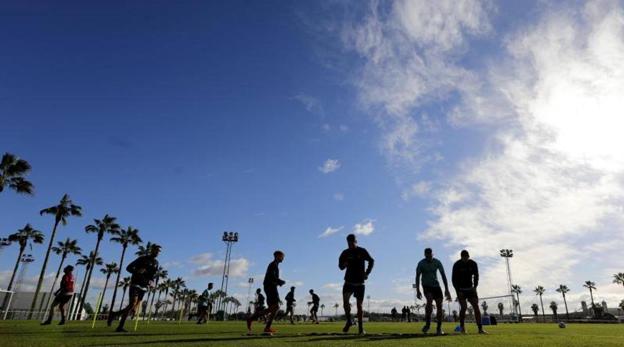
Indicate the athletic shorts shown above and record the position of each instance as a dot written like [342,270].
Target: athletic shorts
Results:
[136,292]
[315,308]
[62,299]
[289,307]
[356,289]
[467,294]
[272,295]
[434,292]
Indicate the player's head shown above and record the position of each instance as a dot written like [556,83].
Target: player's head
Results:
[279,256]
[428,253]
[154,250]
[68,269]
[258,291]
[292,289]
[464,255]
[210,285]
[311,291]
[351,241]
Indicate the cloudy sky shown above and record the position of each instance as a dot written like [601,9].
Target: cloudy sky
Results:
[447,124]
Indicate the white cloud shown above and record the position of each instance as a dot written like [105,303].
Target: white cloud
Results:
[310,103]
[333,286]
[330,231]
[338,196]
[365,227]
[207,266]
[419,189]
[330,165]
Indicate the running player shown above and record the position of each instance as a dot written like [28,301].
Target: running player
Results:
[352,259]
[259,304]
[465,280]
[290,304]
[428,268]
[143,271]
[204,305]
[271,282]
[62,295]
[315,307]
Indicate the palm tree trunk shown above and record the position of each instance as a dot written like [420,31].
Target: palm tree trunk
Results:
[43,268]
[166,302]
[58,272]
[542,303]
[123,253]
[86,288]
[154,294]
[158,300]
[104,291]
[519,308]
[566,307]
[123,296]
[17,262]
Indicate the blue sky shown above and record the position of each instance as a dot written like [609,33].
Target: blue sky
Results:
[415,124]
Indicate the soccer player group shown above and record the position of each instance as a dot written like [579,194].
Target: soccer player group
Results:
[355,260]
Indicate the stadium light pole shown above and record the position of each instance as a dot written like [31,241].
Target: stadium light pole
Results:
[415,293]
[508,253]
[250,281]
[229,238]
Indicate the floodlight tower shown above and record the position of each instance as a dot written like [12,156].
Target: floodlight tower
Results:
[230,238]
[508,253]
[250,281]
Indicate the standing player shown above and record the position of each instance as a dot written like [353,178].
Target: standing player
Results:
[204,306]
[315,307]
[143,271]
[465,280]
[428,269]
[352,259]
[290,304]
[271,282]
[62,295]
[259,303]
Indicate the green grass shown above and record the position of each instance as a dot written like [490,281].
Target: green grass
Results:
[29,333]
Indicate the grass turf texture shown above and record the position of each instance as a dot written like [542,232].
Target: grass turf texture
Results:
[29,333]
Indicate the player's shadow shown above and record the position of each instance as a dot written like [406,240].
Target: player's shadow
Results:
[371,337]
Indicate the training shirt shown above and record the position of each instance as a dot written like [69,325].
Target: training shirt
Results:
[67,284]
[271,278]
[465,274]
[150,264]
[315,299]
[204,298]
[260,301]
[354,260]
[429,269]
[290,298]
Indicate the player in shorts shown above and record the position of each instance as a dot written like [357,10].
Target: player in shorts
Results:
[290,305]
[315,307]
[353,259]
[428,269]
[143,271]
[465,280]
[271,282]
[62,295]
[204,305]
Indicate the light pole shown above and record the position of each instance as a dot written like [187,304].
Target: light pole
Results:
[368,299]
[415,293]
[250,281]
[508,253]
[229,238]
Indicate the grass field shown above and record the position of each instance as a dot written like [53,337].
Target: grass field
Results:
[22,333]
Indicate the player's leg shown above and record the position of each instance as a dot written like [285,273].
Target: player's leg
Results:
[134,301]
[51,313]
[347,291]
[474,301]
[428,309]
[271,312]
[463,305]
[62,309]
[359,296]
[439,315]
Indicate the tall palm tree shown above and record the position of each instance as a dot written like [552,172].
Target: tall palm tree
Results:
[126,237]
[618,278]
[12,172]
[501,307]
[146,249]
[516,289]
[108,270]
[89,262]
[553,307]
[336,308]
[64,249]
[65,209]
[124,283]
[563,289]
[168,284]
[591,286]
[178,284]
[22,237]
[161,273]
[323,307]
[535,309]
[160,288]
[101,227]
[539,290]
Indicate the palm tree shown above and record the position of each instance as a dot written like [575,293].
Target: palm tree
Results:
[64,249]
[161,273]
[323,306]
[591,286]
[553,307]
[126,237]
[178,284]
[61,212]
[168,285]
[336,308]
[539,290]
[622,305]
[535,309]
[89,263]
[516,289]
[106,225]
[618,278]
[124,283]
[563,289]
[501,307]
[22,237]
[12,172]
[108,270]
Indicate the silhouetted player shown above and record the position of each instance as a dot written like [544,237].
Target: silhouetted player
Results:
[428,269]
[315,307]
[352,259]
[62,295]
[465,280]
[204,305]
[271,282]
[143,271]
[259,304]
[290,304]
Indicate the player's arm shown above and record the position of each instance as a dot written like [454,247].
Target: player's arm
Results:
[133,266]
[476,275]
[371,263]
[454,276]
[342,261]
[446,290]
[417,281]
